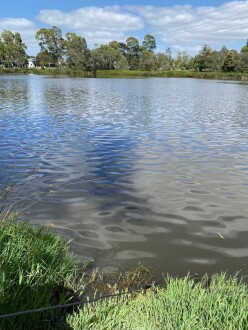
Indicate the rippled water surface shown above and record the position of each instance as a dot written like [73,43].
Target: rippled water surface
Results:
[151,170]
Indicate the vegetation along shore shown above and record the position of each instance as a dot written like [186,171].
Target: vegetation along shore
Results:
[238,76]
[70,53]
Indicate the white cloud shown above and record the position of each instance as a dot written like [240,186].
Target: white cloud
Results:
[191,26]
[185,26]
[106,19]
[99,25]
[15,24]
[179,27]
[25,27]
[102,37]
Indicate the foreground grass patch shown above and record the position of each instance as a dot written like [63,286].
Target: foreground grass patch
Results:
[181,304]
[36,270]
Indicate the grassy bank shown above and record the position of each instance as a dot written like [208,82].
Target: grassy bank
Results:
[131,74]
[181,304]
[38,270]
[48,71]
[172,74]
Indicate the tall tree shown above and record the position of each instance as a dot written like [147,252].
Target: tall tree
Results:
[123,48]
[231,62]
[245,48]
[77,53]
[164,60]
[182,61]
[2,52]
[9,45]
[51,41]
[243,65]
[133,53]
[219,58]
[14,49]
[109,57]
[19,50]
[149,43]
[147,60]
[204,60]
[118,52]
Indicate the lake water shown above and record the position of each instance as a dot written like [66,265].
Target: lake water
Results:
[152,170]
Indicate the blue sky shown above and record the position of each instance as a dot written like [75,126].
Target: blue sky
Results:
[180,24]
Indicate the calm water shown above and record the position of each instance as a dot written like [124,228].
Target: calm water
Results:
[151,170]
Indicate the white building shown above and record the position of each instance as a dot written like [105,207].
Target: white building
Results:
[31,63]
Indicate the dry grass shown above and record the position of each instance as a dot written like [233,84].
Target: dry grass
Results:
[99,283]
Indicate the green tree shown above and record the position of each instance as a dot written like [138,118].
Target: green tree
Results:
[133,53]
[147,60]
[77,53]
[109,57]
[9,45]
[102,58]
[51,41]
[2,52]
[19,51]
[149,43]
[243,63]
[44,58]
[164,60]
[14,50]
[231,62]
[219,58]
[245,48]
[204,60]
[123,48]
[120,61]
[182,61]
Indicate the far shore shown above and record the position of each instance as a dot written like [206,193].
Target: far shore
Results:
[238,76]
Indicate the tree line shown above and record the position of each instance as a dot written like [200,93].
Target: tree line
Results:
[72,51]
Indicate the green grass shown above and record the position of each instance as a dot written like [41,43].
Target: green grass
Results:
[48,71]
[129,73]
[172,74]
[181,305]
[36,270]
